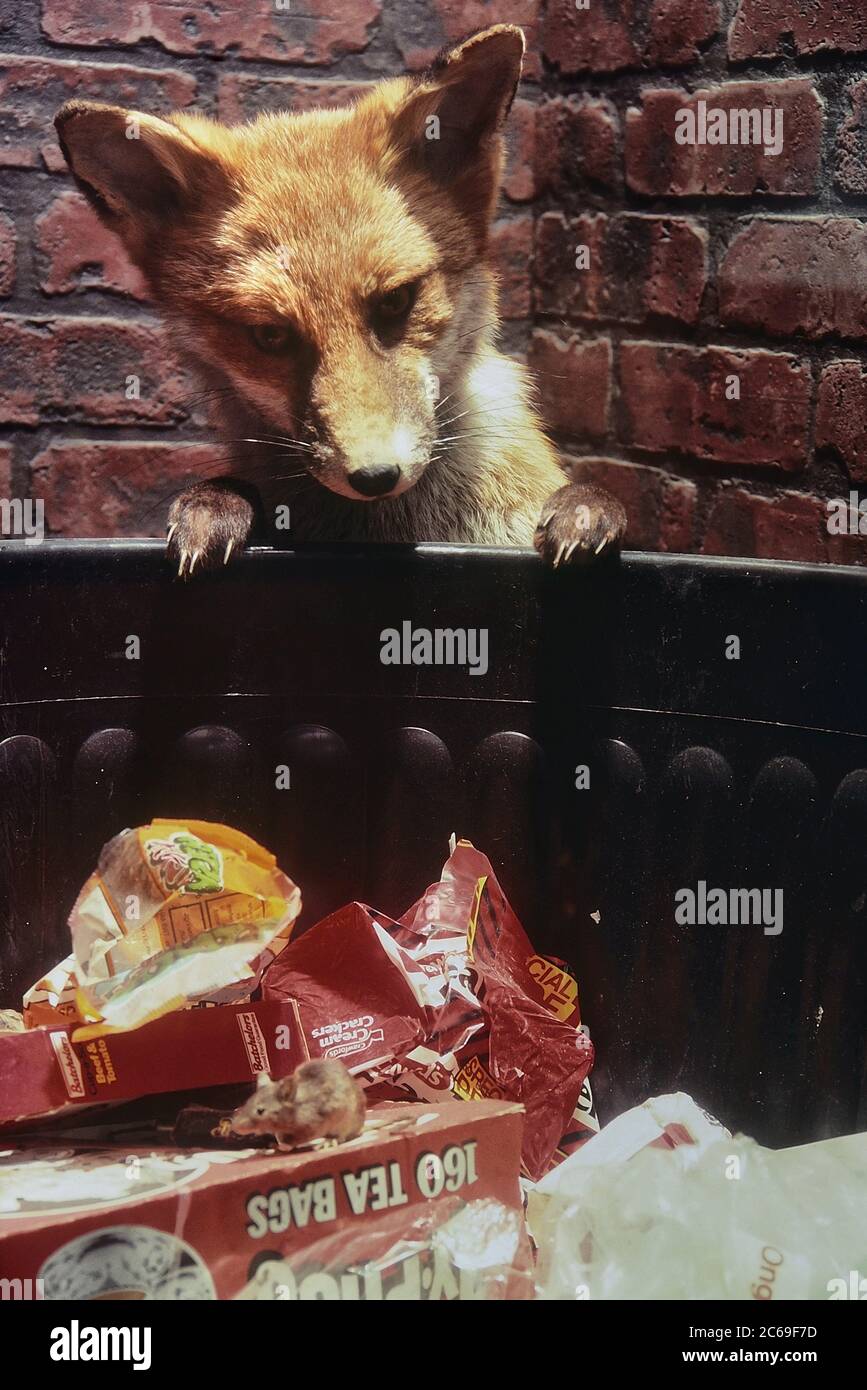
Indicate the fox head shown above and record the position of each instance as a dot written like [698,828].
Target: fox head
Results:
[326,270]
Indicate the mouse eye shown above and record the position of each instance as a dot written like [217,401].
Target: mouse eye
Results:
[274,338]
[260,1110]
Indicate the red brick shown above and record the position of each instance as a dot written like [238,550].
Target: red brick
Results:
[5,470]
[76,369]
[677,515]
[614,34]
[660,508]
[113,489]
[797,275]
[574,382]
[7,256]
[578,146]
[674,401]
[32,89]
[785,529]
[657,165]
[561,288]
[762,28]
[242,96]
[841,416]
[787,526]
[79,253]
[512,247]
[851,162]
[598,39]
[318,32]
[519,180]
[640,266]
[449,21]
[678,29]
[847,550]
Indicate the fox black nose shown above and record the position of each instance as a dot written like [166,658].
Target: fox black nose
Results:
[376,480]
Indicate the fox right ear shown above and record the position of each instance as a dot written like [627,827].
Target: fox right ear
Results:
[450,121]
[137,170]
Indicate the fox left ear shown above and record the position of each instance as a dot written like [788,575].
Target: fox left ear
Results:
[450,122]
[141,173]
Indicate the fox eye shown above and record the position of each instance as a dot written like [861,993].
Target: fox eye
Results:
[393,306]
[274,337]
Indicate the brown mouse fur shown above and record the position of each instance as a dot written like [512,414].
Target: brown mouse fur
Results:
[320,1100]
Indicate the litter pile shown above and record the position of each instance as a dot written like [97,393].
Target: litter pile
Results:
[183,990]
[196,1106]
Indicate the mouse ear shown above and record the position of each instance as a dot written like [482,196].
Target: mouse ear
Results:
[262,1080]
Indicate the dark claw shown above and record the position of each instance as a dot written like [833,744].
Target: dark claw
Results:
[579,524]
[207,524]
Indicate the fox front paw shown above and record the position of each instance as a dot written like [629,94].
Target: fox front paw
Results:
[208,524]
[579,524]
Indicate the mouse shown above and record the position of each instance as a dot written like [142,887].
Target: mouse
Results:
[319,1101]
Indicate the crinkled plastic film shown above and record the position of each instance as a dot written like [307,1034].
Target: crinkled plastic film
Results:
[450,999]
[176,912]
[695,1213]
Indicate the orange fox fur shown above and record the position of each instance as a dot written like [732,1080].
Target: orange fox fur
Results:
[328,274]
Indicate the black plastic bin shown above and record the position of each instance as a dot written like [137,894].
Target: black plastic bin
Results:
[748,772]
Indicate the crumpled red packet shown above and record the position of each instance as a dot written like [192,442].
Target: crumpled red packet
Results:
[451,998]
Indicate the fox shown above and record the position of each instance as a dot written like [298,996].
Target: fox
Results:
[328,275]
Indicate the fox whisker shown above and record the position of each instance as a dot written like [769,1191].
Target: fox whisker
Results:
[331,350]
[282,440]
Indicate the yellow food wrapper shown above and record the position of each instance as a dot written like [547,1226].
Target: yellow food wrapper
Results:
[176,912]
[53,999]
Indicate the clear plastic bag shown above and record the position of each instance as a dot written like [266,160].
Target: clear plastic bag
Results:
[176,912]
[724,1218]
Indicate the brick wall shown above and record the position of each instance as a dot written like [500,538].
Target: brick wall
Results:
[707,361]
[720,329]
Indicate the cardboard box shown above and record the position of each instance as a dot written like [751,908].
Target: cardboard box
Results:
[424,1205]
[42,1072]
